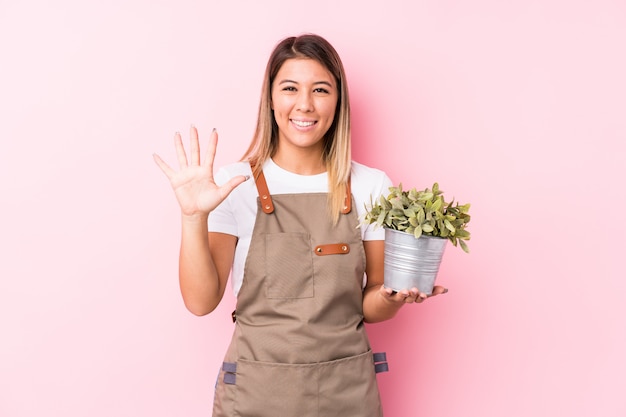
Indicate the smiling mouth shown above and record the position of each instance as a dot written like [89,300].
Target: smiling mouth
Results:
[301,123]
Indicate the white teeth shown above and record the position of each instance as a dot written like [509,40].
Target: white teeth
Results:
[302,124]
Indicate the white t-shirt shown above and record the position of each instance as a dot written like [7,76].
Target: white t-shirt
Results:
[237,214]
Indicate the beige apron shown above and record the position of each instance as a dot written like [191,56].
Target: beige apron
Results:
[299,348]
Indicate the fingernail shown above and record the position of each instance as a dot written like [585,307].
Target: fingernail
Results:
[247,177]
[445,290]
[214,130]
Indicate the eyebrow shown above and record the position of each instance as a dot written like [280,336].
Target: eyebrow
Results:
[315,83]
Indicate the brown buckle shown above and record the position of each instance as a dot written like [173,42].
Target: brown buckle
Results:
[332,249]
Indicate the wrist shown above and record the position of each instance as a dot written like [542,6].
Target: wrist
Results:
[194,218]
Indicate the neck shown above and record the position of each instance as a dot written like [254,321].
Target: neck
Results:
[300,161]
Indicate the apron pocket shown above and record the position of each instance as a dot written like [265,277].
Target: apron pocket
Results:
[338,388]
[270,390]
[348,387]
[288,265]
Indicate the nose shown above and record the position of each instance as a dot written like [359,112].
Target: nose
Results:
[305,102]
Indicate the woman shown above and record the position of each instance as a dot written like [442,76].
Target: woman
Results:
[306,278]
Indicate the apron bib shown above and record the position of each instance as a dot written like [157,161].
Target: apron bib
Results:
[299,348]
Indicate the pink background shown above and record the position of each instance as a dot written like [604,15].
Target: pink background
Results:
[517,107]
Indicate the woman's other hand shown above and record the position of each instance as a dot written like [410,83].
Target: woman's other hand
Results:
[409,296]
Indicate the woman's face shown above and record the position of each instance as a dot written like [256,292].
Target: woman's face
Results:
[304,98]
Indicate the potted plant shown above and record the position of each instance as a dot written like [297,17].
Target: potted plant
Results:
[418,224]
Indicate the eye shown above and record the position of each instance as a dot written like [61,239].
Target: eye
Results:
[321,90]
[289,88]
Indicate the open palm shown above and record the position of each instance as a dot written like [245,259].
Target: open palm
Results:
[193,184]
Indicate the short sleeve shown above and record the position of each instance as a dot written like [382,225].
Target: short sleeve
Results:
[368,185]
[372,232]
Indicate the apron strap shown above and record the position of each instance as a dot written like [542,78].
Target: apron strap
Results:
[264,193]
[266,198]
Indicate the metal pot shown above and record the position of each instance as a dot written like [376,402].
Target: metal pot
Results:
[411,262]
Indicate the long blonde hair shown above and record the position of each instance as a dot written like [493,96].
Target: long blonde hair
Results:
[337,152]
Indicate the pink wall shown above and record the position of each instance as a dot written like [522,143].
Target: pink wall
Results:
[518,107]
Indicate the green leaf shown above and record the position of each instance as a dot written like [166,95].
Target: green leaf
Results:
[410,212]
[417,232]
[426,196]
[449,226]
[384,203]
[381,218]
[395,190]
[421,216]
[396,203]
[437,205]
[427,228]
[464,246]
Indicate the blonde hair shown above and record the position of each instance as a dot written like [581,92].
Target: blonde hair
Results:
[337,152]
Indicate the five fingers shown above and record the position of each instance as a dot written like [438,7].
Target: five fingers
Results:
[181,155]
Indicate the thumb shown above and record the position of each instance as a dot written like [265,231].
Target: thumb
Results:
[227,188]
[438,290]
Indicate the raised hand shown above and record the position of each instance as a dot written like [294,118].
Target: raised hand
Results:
[193,183]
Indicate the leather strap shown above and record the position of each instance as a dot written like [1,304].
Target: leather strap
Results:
[264,194]
[332,249]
